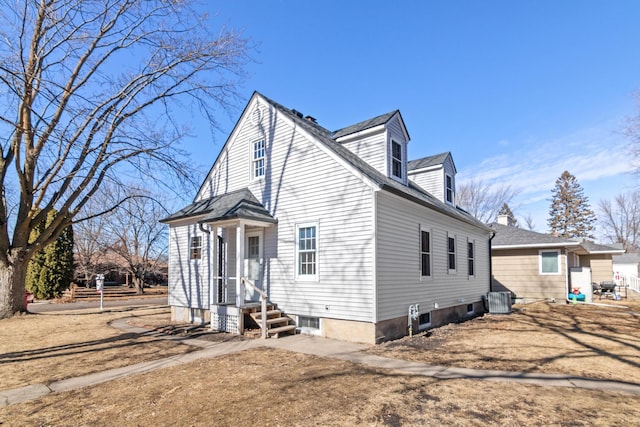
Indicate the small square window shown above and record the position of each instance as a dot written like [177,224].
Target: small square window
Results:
[549,262]
[470,309]
[424,321]
[309,322]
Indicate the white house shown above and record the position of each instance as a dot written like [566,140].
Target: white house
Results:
[330,227]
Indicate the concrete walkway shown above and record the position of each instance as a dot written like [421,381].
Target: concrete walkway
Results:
[312,345]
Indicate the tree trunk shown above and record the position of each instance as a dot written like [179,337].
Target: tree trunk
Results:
[13,273]
[139,285]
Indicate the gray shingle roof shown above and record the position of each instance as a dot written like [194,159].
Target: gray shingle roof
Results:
[234,205]
[630,258]
[514,236]
[411,192]
[426,162]
[366,124]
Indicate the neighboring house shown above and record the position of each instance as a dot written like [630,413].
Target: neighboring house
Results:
[536,266]
[627,264]
[330,227]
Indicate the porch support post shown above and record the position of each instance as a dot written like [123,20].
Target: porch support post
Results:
[240,275]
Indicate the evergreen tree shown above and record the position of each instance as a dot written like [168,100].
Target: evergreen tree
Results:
[570,215]
[511,219]
[50,271]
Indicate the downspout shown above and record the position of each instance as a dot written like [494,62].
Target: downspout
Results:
[493,234]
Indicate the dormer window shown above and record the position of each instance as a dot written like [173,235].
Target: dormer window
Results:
[396,160]
[449,190]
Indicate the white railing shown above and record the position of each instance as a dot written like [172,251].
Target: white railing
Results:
[263,301]
[631,282]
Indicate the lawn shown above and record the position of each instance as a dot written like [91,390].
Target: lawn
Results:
[273,387]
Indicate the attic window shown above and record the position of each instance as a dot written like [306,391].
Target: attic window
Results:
[396,160]
[257,157]
[449,189]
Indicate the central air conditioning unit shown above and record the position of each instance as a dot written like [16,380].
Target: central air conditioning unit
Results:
[499,302]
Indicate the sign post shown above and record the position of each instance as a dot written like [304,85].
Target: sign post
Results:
[100,288]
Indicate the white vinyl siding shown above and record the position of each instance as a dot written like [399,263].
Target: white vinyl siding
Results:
[182,271]
[398,284]
[305,183]
[370,148]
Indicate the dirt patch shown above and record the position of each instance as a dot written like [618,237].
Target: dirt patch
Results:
[274,388]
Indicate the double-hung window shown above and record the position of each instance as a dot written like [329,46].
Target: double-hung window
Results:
[396,160]
[425,253]
[257,159]
[449,191]
[195,247]
[451,253]
[471,258]
[307,251]
[550,262]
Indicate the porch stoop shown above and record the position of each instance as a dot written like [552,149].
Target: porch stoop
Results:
[277,322]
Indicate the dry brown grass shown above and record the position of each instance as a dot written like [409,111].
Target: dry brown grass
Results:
[581,340]
[273,387]
[42,348]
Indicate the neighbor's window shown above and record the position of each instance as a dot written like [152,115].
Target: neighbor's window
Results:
[257,157]
[451,252]
[425,253]
[549,262]
[396,160]
[307,251]
[449,193]
[195,247]
[471,258]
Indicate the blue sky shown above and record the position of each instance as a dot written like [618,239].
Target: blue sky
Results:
[518,91]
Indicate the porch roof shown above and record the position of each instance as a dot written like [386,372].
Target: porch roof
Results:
[240,204]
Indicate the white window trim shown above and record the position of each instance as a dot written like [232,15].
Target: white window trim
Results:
[252,160]
[455,253]
[403,163]
[307,277]
[453,190]
[423,326]
[191,237]
[475,264]
[309,331]
[428,230]
[558,253]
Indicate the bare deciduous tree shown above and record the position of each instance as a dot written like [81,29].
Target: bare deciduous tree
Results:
[94,92]
[620,221]
[134,233]
[482,200]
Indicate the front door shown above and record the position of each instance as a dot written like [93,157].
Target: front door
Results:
[253,262]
